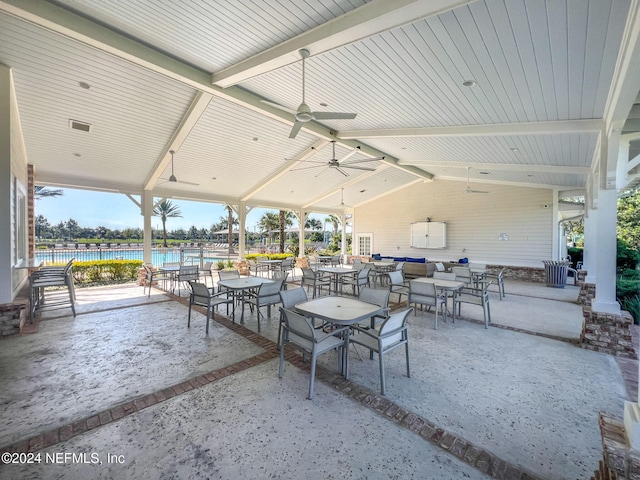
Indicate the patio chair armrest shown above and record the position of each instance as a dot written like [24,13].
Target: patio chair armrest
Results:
[364,330]
[470,291]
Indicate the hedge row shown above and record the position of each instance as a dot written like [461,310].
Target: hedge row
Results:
[270,256]
[105,271]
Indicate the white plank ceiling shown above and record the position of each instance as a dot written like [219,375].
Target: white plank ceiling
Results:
[192,77]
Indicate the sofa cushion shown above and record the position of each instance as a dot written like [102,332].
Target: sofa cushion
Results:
[376,256]
[399,259]
[416,260]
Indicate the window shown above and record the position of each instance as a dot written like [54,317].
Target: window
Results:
[19,212]
[364,244]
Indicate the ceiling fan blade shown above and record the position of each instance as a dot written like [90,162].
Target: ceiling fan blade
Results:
[353,151]
[306,162]
[470,190]
[342,171]
[333,115]
[321,172]
[355,167]
[320,164]
[168,180]
[279,107]
[296,128]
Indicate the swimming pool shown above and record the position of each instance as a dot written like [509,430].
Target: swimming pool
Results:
[159,256]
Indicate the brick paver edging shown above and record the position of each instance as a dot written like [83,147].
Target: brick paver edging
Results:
[61,434]
[465,451]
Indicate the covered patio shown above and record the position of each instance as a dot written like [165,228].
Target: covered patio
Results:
[126,377]
[501,121]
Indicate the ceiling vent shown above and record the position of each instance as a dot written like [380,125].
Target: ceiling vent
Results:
[82,126]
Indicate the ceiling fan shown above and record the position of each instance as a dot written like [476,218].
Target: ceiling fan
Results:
[340,165]
[469,189]
[172,178]
[304,114]
[342,204]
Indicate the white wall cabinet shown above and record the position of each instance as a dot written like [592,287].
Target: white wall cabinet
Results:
[429,235]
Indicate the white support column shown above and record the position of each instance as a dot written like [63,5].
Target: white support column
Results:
[147,213]
[605,260]
[343,243]
[242,220]
[556,249]
[590,243]
[303,219]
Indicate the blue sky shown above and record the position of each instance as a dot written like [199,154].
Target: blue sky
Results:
[116,211]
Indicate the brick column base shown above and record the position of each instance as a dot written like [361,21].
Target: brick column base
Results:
[302,262]
[12,318]
[619,460]
[604,332]
[243,267]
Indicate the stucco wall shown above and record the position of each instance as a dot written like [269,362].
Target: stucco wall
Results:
[474,222]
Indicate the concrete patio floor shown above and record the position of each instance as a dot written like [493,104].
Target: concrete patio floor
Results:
[127,378]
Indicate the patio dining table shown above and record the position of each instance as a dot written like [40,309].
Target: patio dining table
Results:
[172,270]
[381,269]
[447,286]
[238,288]
[343,311]
[336,273]
[477,275]
[324,259]
[271,264]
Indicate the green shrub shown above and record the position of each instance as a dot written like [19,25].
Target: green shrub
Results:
[220,264]
[270,256]
[628,288]
[631,304]
[576,254]
[105,271]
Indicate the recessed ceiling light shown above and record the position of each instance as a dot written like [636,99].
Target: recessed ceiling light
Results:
[362,191]
[323,104]
[469,83]
[214,178]
[514,149]
[84,85]
[530,175]
[483,173]
[77,155]
[255,139]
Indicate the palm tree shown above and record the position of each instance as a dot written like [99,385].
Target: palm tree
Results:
[268,223]
[40,192]
[164,210]
[230,226]
[335,222]
[285,219]
[313,224]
